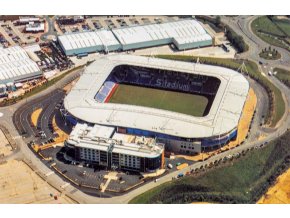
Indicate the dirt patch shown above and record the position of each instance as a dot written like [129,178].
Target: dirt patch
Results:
[35,115]
[5,148]
[280,192]
[22,185]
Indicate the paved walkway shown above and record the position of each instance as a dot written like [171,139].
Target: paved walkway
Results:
[109,177]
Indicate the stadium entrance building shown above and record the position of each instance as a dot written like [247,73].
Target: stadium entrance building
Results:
[102,146]
[88,101]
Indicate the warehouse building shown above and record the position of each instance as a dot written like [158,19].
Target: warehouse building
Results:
[88,42]
[16,66]
[184,34]
[103,146]
[34,27]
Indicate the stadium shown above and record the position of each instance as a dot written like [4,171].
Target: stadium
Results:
[187,107]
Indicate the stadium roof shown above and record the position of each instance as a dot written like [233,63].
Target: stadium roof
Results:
[222,118]
[182,31]
[83,40]
[15,63]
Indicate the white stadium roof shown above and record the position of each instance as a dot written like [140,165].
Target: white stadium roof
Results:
[15,64]
[183,31]
[222,118]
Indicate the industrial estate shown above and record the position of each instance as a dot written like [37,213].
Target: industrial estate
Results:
[144,109]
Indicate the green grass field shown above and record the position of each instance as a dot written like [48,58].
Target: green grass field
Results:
[265,24]
[240,181]
[194,105]
[283,75]
[284,25]
[272,32]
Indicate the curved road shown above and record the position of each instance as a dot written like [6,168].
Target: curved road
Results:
[81,197]
[242,26]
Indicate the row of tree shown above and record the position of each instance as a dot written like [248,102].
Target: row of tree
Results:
[183,192]
[237,40]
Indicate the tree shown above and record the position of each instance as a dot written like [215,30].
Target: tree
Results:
[218,20]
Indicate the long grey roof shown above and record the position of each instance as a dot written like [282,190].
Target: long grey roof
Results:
[222,118]
[182,31]
[14,62]
[88,39]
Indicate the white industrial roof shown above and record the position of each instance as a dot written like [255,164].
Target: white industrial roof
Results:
[183,31]
[34,27]
[28,19]
[222,118]
[14,62]
[95,131]
[85,136]
[87,39]
[179,32]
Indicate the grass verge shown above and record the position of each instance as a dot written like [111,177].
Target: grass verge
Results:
[283,75]
[241,180]
[272,31]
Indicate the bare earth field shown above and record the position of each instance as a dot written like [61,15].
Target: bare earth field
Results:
[19,184]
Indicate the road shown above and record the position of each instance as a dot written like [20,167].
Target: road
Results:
[242,26]
[81,197]
[50,31]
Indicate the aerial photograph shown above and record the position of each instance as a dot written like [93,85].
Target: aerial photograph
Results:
[145,109]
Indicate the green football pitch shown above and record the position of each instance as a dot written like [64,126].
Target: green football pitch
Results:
[185,103]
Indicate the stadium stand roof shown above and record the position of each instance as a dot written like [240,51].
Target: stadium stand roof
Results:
[15,65]
[222,118]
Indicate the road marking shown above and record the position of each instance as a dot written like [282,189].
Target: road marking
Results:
[49,173]
[17,137]
[65,185]
[1,114]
